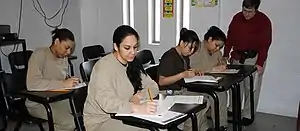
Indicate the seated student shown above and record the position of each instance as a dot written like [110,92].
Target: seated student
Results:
[48,70]
[209,58]
[118,84]
[174,66]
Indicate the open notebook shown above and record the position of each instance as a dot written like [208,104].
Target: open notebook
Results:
[228,71]
[79,85]
[204,78]
[163,116]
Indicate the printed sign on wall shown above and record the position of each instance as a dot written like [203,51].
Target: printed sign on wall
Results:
[168,8]
[204,3]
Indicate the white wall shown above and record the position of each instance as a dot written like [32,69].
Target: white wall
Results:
[33,28]
[281,92]
[99,20]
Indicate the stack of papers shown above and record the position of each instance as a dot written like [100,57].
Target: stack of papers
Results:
[228,71]
[163,116]
[205,78]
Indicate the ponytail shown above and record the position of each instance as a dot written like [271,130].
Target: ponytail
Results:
[133,72]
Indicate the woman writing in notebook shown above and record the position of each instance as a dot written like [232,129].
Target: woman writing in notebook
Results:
[47,70]
[209,58]
[118,85]
[175,66]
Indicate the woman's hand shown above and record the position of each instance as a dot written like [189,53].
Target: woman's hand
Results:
[70,82]
[220,68]
[136,98]
[148,107]
[188,73]
[199,73]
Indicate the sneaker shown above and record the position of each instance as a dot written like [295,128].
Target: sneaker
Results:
[210,129]
[246,121]
[229,114]
[223,128]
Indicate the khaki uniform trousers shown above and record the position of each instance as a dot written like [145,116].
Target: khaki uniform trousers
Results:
[245,88]
[61,112]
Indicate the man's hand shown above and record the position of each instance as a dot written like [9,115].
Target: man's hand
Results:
[260,69]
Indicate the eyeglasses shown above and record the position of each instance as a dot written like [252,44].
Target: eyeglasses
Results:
[248,11]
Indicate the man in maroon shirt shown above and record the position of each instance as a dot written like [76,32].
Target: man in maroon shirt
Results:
[249,37]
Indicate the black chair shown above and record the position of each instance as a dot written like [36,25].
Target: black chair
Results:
[3,112]
[17,60]
[93,52]
[15,104]
[10,88]
[145,57]
[86,69]
[152,72]
[81,93]
[19,68]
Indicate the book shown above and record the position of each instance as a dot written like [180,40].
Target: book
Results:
[204,78]
[227,71]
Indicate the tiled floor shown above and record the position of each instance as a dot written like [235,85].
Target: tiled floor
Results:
[263,122]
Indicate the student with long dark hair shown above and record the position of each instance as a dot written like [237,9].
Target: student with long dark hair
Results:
[118,85]
[48,70]
[209,58]
[174,66]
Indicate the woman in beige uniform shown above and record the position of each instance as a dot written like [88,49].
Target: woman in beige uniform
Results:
[209,58]
[47,70]
[118,84]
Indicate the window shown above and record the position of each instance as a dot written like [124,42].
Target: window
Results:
[154,13]
[128,13]
[182,16]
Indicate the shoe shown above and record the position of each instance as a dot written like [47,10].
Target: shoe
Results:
[223,128]
[246,121]
[210,129]
[229,113]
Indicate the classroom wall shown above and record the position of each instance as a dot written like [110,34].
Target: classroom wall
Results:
[33,28]
[93,22]
[280,92]
[99,19]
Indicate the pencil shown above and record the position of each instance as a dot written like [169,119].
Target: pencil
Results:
[150,95]
[59,90]
[219,61]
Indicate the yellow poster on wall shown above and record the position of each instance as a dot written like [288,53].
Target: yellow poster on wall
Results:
[168,8]
[204,3]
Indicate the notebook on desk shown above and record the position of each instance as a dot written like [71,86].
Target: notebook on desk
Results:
[204,78]
[79,85]
[163,115]
[227,71]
